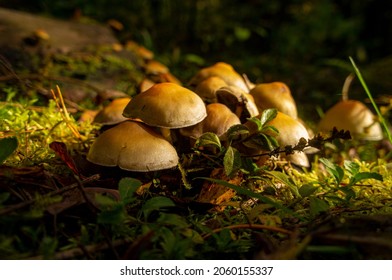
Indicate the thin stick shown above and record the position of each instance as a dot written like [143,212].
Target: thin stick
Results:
[63,111]
[250,226]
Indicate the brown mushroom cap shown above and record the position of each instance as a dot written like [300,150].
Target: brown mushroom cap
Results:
[354,116]
[274,95]
[167,105]
[222,70]
[290,132]
[133,146]
[219,119]
[207,88]
[239,101]
[112,113]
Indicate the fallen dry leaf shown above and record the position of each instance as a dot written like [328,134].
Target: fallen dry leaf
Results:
[218,194]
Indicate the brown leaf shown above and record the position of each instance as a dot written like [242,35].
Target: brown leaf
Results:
[218,194]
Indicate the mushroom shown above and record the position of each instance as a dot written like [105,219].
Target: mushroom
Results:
[290,133]
[351,115]
[219,119]
[145,84]
[207,88]
[240,102]
[274,95]
[354,116]
[159,72]
[141,51]
[112,113]
[222,70]
[132,146]
[168,106]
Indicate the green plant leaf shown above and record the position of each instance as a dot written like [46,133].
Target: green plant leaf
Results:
[364,176]
[231,161]
[156,203]
[349,192]
[317,206]
[336,171]
[113,216]
[268,115]
[285,180]
[270,129]
[7,147]
[307,190]
[351,167]
[262,142]
[105,202]
[258,123]
[237,131]
[127,188]
[172,219]
[208,139]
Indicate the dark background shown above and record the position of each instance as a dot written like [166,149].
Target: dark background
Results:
[303,43]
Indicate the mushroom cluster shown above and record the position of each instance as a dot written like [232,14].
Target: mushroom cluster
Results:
[149,126]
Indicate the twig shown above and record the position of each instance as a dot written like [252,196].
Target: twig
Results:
[58,98]
[250,226]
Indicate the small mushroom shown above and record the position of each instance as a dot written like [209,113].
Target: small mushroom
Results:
[132,146]
[240,102]
[159,72]
[112,113]
[207,88]
[145,84]
[219,119]
[222,70]
[168,106]
[141,51]
[354,116]
[274,95]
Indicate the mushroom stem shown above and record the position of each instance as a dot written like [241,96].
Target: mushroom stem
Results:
[346,86]
[165,132]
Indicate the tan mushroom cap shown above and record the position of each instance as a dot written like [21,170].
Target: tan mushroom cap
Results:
[219,119]
[239,101]
[354,116]
[222,70]
[167,105]
[290,132]
[274,95]
[112,113]
[207,88]
[290,129]
[133,146]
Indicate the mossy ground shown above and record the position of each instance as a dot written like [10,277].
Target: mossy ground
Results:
[55,204]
